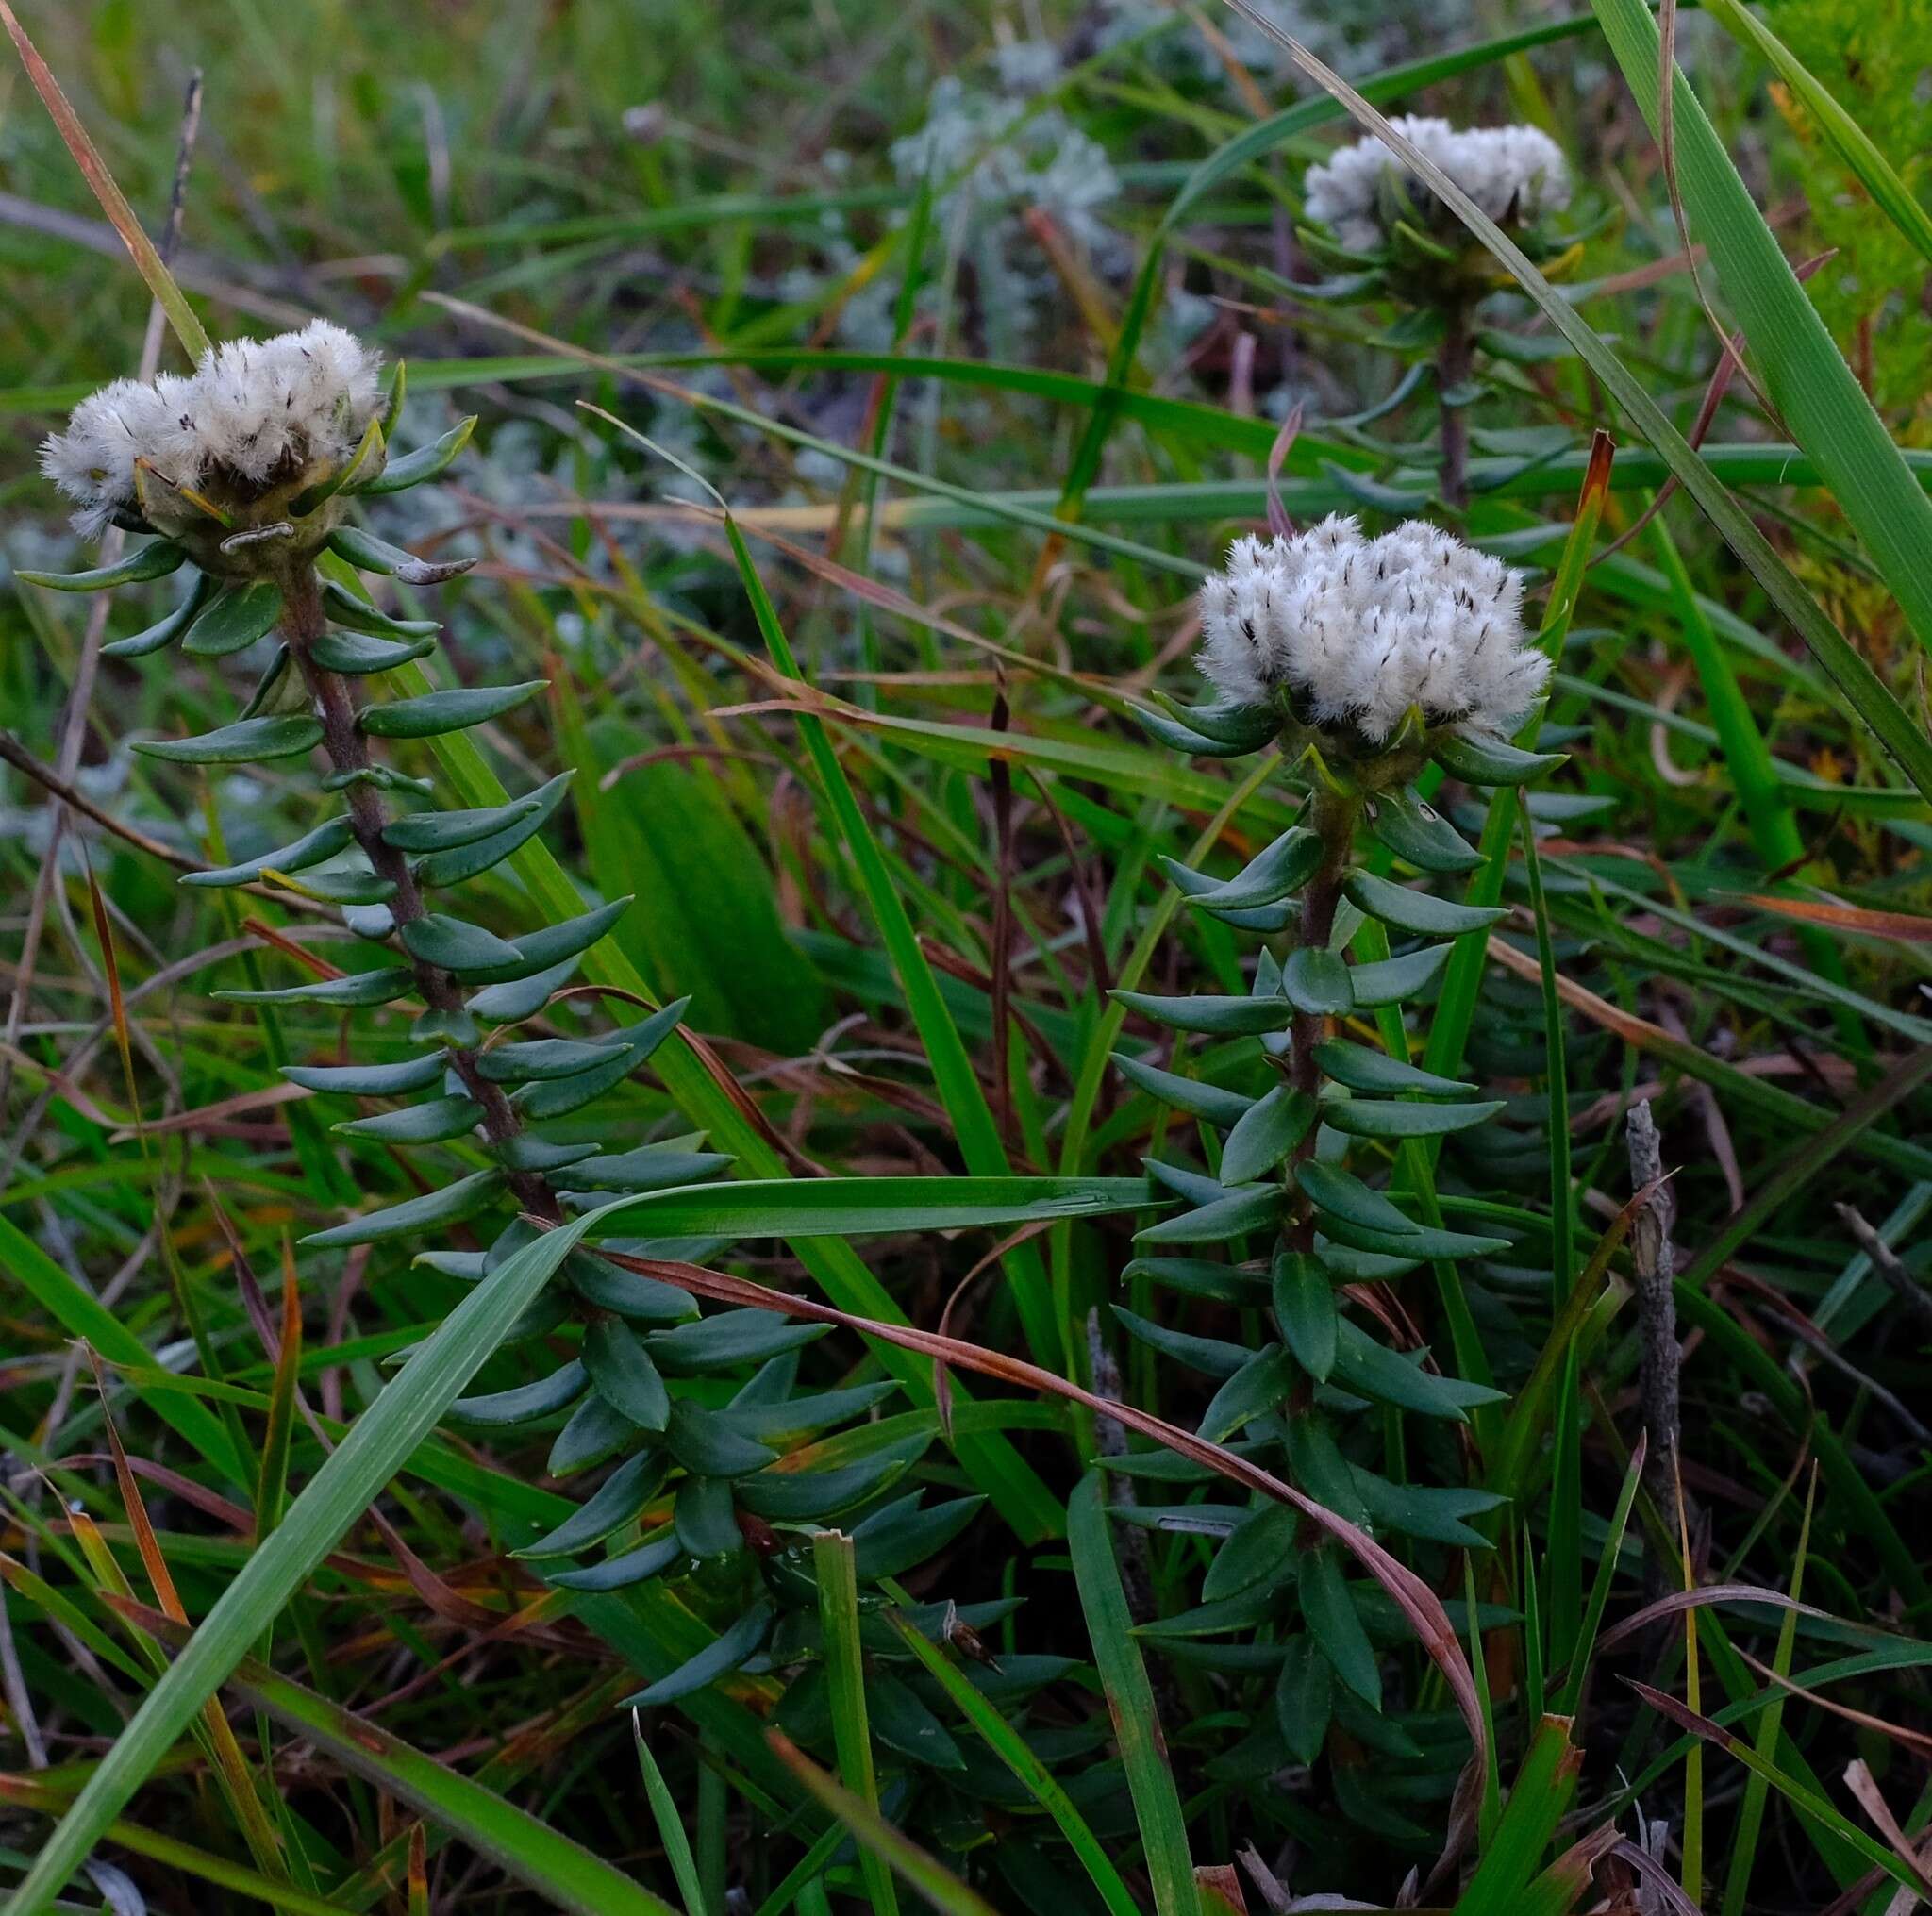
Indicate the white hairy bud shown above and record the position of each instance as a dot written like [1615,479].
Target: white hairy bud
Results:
[255,414]
[1357,630]
[1514,173]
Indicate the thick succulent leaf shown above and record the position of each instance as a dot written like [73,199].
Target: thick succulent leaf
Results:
[154,561]
[505,1409]
[1305,1308]
[163,631]
[1195,886]
[621,1499]
[796,1417]
[367,553]
[1363,1069]
[353,884]
[1256,1389]
[521,998]
[1332,1620]
[1318,981]
[376,987]
[1205,1101]
[543,1058]
[443,831]
[893,1540]
[250,741]
[1490,761]
[1199,1277]
[1216,1017]
[1211,1356]
[1226,720]
[446,1024]
[1340,1193]
[652,1167]
[727,1338]
[705,1520]
[635,1043]
[629,1293]
[1386,1118]
[1267,1132]
[324,841]
[799,1496]
[619,1572]
[622,1375]
[1279,869]
[1417,912]
[742,1640]
[1388,981]
[525,1151]
[1179,737]
[434,713]
[272,677]
[430,1124]
[349,609]
[596,1431]
[356,655]
[370,1080]
[1419,1511]
[451,1205]
[1233,1216]
[1258,1553]
[426,462]
[456,945]
[234,619]
[538,951]
[1374,1370]
[903,1722]
[1418,1242]
[460,862]
[1420,835]
[1304,1698]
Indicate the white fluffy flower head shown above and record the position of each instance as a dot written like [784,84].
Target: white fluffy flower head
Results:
[1355,631]
[253,415]
[1514,173]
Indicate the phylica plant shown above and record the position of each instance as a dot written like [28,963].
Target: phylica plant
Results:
[246,474]
[1366,660]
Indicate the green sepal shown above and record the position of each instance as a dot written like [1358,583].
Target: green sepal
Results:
[250,741]
[426,462]
[1377,1073]
[1225,722]
[719,1659]
[1233,1216]
[367,553]
[234,619]
[355,655]
[543,1058]
[442,831]
[1490,761]
[1216,1017]
[164,632]
[1267,1132]
[370,1080]
[1207,1102]
[393,400]
[324,841]
[155,560]
[618,1573]
[1420,835]
[504,1409]
[376,987]
[1271,874]
[621,1499]
[1319,982]
[801,1496]
[623,1374]
[1303,1301]
[434,1123]
[437,712]
[455,945]
[1417,912]
[1181,738]
[652,1167]
[346,607]
[454,1204]
[1385,1118]
[461,863]
[522,998]
[1339,1193]
[370,449]
[1388,981]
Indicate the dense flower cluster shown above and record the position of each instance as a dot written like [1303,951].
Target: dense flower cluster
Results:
[252,415]
[1357,630]
[1514,173]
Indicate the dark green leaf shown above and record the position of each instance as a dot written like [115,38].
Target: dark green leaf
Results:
[1332,1622]
[505,1409]
[370,1080]
[430,1124]
[1376,1072]
[719,1659]
[618,1573]
[154,561]
[455,945]
[1374,1371]
[324,841]
[629,1293]
[1281,867]
[727,1338]
[234,619]
[1305,1309]
[1267,1132]
[1318,981]
[521,998]
[704,1442]
[442,831]
[1417,912]
[623,1374]
[902,1722]
[348,609]
[897,1538]
[1232,1216]
[1388,981]
[619,1500]
[596,1431]
[367,553]
[543,1058]
[1490,761]
[1341,1193]
[163,631]
[1205,1100]
[1420,835]
[1257,1388]
[435,1208]
[426,462]
[1217,1017]
[798,1496]
[358,654]
[1259,1553]
[376,987]
[436,713]
[1304,1698]
[250,741]
[653,1167]
[1385,1118]
[460,862]
[1207,1355]
[705,1520]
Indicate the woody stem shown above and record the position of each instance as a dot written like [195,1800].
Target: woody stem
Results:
[1454,361]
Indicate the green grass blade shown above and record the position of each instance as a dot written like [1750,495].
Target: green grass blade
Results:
[834,1563]
[670,1825]
[1130,1700]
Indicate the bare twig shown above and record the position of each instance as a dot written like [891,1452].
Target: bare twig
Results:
[1655,1263]
[1887,1263]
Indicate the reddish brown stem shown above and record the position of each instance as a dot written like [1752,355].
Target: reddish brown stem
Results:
[342,739]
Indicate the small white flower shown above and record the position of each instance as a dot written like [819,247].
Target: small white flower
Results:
[1514,173]
[1357,630]
[253,412]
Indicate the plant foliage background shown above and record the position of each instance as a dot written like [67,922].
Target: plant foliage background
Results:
[859,396]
